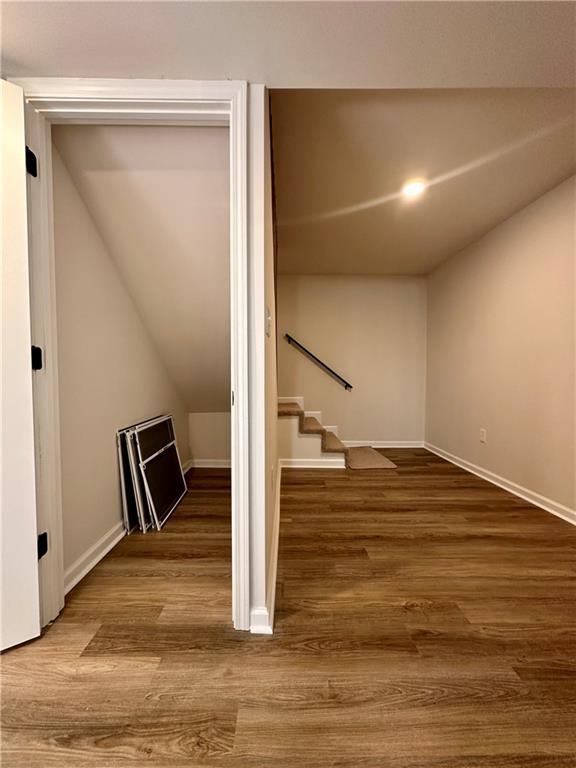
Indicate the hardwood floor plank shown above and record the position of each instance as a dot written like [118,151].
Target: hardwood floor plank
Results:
[374,731]
[425,619]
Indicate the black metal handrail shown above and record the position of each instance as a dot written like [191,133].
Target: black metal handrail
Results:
[311,356]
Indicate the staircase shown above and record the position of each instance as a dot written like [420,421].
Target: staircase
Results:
[363,457]
[309,425]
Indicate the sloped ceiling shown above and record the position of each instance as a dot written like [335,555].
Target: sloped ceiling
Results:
[341,158]
[297,44]
[160,199]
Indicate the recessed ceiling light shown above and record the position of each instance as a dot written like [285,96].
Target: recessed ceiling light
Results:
[414,188]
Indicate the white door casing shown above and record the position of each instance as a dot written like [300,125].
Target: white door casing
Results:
[158,102]
[45,380]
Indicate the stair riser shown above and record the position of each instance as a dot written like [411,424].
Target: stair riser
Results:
[309,425]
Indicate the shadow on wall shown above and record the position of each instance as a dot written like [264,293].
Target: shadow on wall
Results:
[160,199]
[209,436]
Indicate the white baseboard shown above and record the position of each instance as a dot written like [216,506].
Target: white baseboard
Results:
[385,443]
[92,556]
[209,463]
[518,490]
[260,623]
[186,466]
[327,462]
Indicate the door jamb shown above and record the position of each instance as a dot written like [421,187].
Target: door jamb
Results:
[149,102]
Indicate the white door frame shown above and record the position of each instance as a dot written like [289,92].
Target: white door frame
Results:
[157,102]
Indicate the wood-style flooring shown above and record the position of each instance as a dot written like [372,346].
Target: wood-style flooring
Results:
[425,619]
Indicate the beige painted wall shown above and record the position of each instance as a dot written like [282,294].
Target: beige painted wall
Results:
[110,374]
[270,350]
[501,349]
[209,436]
[297,45]
[263,390]
[371,330]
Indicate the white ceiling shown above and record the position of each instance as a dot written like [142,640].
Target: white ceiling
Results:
[297,44]
[159,197]
[342,156]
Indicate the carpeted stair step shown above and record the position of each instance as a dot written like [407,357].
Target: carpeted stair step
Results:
[361,457]
[331,443]
[365,457]
[310,425]
[289,409]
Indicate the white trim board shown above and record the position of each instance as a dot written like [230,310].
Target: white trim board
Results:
[567,514]
[384,443]
[143,102]
[92,556]
[329,462]
[260,623]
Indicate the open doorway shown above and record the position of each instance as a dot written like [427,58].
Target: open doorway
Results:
[34,108]
[142,257]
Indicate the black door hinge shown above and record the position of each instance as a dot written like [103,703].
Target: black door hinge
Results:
[31,163]
[42,544]
[37,361]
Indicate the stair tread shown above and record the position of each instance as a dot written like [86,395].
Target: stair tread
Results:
[289,409]
[311,426]
[365,457]
[332,443]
